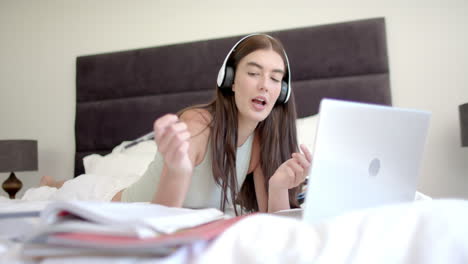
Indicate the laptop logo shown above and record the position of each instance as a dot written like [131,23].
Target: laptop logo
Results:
[374,167]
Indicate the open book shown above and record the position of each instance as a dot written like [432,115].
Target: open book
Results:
[83,227]
[132,219]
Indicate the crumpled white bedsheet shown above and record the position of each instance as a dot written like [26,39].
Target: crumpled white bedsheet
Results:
[85,187]
[425,231]
[104,177]
[430,231]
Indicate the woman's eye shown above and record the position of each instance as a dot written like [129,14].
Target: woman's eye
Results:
[253,73]
[275,80]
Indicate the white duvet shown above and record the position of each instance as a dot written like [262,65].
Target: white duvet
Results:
[430,231]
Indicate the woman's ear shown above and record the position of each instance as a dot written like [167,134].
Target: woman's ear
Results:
[233,87]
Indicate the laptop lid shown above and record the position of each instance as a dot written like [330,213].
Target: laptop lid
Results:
[364,156]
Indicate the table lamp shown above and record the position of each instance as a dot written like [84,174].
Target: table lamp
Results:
[17,155]
[464,124]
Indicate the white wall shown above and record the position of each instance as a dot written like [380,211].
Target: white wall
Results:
[40,41]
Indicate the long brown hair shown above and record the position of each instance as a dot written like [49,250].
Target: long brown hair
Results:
[276,134]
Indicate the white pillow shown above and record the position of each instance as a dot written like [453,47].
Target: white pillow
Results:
[122,162]
[306,130]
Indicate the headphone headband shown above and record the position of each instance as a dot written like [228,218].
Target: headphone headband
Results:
[226,73]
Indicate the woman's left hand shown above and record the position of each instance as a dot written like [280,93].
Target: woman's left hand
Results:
[293,171]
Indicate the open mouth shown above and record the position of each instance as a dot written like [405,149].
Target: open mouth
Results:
[259,101]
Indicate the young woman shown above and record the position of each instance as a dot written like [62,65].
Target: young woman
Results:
[238,153]
[241,147]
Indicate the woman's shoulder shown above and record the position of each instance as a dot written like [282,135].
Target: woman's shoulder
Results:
[197,120]
[196,116]
[198,124]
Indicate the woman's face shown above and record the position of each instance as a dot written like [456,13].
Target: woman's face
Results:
[257,84]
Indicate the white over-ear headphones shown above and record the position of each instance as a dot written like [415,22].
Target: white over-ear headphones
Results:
[226,73]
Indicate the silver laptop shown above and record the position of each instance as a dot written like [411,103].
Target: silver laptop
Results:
[365,156]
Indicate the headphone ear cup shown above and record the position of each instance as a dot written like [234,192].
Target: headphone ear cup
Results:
[228,78]
[283,93]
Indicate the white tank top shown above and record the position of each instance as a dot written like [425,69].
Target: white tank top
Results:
[203,191]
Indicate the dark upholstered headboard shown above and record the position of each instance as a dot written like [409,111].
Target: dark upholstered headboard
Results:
[120,94]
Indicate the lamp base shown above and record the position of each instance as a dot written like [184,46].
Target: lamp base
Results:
[12,185]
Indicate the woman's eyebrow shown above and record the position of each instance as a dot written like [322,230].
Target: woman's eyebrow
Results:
[252,63]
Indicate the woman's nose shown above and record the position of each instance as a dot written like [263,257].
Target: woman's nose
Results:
[263,84]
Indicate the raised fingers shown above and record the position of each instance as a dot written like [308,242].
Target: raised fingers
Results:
[306,152]
[170,134]
[298,171]
[173,137]
[302,160]
[162,123]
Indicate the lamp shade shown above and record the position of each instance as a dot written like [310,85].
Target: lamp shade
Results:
[464,124]
[18,155]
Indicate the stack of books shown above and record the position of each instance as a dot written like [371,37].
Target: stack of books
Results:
[78,228]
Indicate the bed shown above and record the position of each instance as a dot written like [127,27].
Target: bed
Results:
[120,94]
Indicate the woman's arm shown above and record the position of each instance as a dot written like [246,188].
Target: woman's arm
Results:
[278,199]
[182,143]
[260,191]
[289,175]
[258,177]
[172,135]
[275,200]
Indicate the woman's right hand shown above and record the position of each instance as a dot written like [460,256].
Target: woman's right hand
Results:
[293,171]
[172,138]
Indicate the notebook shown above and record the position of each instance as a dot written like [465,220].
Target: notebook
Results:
[365,156]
